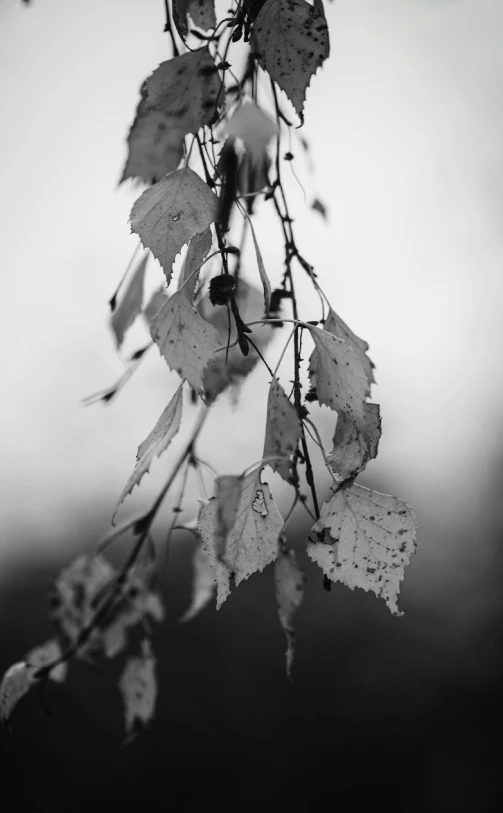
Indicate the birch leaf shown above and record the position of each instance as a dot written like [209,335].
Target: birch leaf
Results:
[263,273]
[253,541]
[338,376]
[16,682]
[171,213]
[154,305]
[290,581]
[223,372]
[138,687]
[292,39]
[227,496]
[155,144]
[335,325]
[203,583]
[199,248]
[283,429]
[130,304]
[255,128]
[44,654]
[202,13]
[154,444]
[353,448]
[369,539]
[187,89]
[185,339]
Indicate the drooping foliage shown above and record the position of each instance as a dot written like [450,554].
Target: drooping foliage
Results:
[208,140]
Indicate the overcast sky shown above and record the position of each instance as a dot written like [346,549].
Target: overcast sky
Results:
[405,124]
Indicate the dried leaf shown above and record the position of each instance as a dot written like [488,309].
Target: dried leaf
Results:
[202,13]
[130,304]
[263,273]
[335,325]
[369,539]
[186,340]
[16,682]
[338,376]
[187,89]
[171,213]
[253,541]
[198,250]
[283,429]
[203,583]
[155,144]
[138,687]
[222,372]
[290,582]
[353,448]
[292,38]
[255,128]
[44,654]
[154,444]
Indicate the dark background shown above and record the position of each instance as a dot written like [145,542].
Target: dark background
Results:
[384,711]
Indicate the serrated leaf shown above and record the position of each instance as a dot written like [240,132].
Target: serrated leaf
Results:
[353,448]
[290,581]
[156,442]
[187,89]
[202,13]
[171,213]
[186,340]
[198,250]
[335,325]
[338,376]
[44,654]
[130,304]
[155,144]
[369,539]
[138,687]
[203,583]
[16,682]
[255,128]
[223,372]
[252,543]
[292,39]
[283,429]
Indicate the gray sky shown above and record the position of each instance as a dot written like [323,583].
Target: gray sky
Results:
[405,123]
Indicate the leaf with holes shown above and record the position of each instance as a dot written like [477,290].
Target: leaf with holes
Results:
[187,89]
[292,39]
[155,144]
[202,13]
[171,213]
[283,430]
[185,339]
[252,543]
[198,250]
[368,541]
[203,583]
[353,448]
[138,687]
[290,581]
[154,444]
[130,304]
[335,325]
[338,376]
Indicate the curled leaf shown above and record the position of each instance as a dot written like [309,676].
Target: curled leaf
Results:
[154,444]
[203,583]
[353,447]
[199,248]
[290,581]
[283,429]
[138,687]
[16,682]
[130,303]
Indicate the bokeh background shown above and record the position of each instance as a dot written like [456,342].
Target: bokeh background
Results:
[404,124]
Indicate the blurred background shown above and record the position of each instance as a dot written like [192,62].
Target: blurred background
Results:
[404,124]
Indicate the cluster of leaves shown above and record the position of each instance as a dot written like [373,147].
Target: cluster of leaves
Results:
[208,153]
